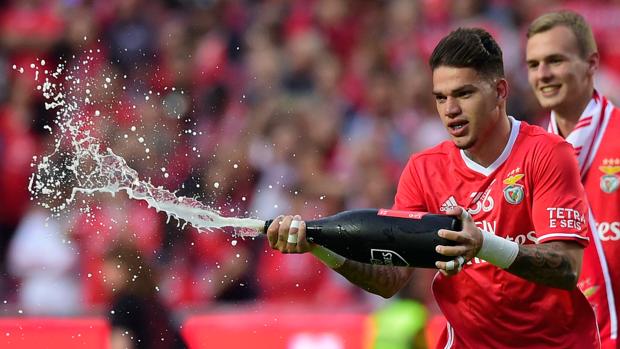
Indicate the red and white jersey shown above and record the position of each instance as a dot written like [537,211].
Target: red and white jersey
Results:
[602,182]
[531,194]
[597,148]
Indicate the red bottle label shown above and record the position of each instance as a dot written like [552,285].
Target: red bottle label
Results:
[401,214]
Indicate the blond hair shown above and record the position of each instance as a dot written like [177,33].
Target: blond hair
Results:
[573,21]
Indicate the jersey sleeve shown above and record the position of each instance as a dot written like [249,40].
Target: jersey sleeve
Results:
[409,196]
[559,207]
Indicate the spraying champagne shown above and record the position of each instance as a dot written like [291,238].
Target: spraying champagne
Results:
[387,237]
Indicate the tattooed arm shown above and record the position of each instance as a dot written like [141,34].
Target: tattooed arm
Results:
[378,279]
[382,280]
[554,264]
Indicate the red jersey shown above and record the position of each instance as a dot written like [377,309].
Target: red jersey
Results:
[598,156]
[602,182]
[531,194]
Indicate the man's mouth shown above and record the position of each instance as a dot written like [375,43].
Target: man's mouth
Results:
[549,89]
[458,128]
[457,125]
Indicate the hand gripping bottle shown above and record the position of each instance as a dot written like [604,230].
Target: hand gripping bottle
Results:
[387,237]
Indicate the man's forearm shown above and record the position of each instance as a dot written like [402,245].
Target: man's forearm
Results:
[545,264]
[378,279]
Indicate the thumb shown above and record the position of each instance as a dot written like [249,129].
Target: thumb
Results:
[465,216]
[461,213]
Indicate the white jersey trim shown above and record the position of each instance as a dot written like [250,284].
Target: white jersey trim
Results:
[450,340]
[486,171]
[562,235]
[611,301]
[597,142]
[613,316]
[449,329]
[450,336]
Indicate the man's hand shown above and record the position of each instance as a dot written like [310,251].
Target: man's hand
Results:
[287,234]
[468,243]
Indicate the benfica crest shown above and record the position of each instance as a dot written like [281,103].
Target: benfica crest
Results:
[514,192]
[610,180]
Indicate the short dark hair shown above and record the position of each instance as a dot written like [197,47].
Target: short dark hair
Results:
[469,48]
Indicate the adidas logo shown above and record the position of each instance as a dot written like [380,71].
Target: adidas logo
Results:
[448,204]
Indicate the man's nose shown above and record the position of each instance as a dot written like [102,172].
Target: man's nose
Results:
[452,107]
[543,72]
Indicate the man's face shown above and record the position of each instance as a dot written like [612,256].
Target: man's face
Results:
[557,73]
[468,104]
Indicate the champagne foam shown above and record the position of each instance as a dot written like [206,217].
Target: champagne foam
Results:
[80,161]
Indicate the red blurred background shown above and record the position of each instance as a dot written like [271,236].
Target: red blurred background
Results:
[257,108]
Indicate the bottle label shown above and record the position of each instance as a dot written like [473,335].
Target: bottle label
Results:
[401,214]
[387,257]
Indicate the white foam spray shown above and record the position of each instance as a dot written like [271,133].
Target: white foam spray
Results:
[80,161]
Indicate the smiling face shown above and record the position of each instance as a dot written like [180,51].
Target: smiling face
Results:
[469,105]
[560,77]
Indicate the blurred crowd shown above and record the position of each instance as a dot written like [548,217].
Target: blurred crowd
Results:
[257,108]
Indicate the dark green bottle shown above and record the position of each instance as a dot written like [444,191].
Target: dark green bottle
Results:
[382,236]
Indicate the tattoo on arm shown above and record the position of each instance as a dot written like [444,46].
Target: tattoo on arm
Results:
[378,279]
[545,264]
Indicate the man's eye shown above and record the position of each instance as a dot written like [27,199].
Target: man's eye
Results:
[440,99]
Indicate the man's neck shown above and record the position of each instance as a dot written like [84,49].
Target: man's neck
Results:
[487,152]
[567,116]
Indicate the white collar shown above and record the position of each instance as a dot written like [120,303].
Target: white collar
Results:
[515,125]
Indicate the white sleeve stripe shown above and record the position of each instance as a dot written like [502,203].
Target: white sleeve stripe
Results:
[450,339]
[608,286]
[562,235]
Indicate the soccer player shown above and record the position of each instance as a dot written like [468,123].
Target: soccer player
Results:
[562,57]
[512,282]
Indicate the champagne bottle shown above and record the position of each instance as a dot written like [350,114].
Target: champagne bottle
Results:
[387,237]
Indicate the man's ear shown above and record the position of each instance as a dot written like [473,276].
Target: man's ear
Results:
[593,61]
[502,89]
